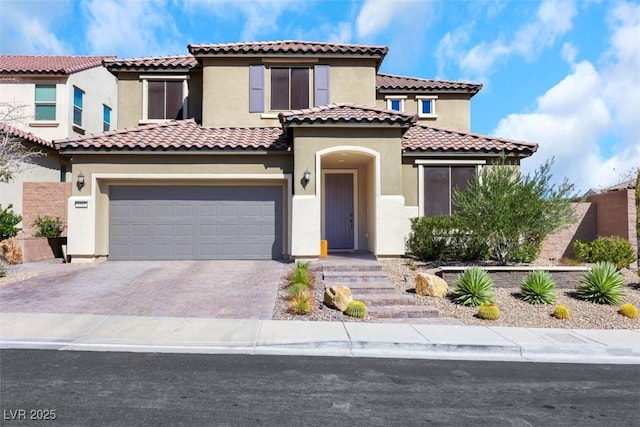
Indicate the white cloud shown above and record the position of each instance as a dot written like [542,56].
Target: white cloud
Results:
[375,16]
[25,27]
[553,19]
[589,120]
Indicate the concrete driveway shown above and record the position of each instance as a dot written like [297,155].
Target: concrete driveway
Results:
[216,289]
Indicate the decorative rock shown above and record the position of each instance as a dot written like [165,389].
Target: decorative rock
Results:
[10,252]
[431,285]
[338,297]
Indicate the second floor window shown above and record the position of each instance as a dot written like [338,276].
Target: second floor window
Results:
[106,118]
[78,98]
[289,88]
[45,102]
[165,99]
[395,103]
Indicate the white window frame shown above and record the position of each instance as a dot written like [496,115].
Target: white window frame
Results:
[422,163]
[145,96]
[400,98]
[427,98]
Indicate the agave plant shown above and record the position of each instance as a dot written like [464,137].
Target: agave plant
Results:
[538,288]
[602,284]
[473,287]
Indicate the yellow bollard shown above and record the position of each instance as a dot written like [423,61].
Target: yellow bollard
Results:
[324,248]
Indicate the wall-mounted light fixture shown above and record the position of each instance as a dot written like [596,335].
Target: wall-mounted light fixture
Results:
[306,177]
[80,182]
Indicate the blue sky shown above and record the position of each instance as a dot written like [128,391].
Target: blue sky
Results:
[564,74]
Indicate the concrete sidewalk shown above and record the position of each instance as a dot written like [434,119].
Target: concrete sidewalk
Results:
[252,336]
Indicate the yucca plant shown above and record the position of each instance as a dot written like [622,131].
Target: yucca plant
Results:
[602,284]
[538,288]
[473,287]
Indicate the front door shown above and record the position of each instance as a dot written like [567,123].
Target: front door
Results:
[339,210]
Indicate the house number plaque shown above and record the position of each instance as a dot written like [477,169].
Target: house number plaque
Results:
[82,204]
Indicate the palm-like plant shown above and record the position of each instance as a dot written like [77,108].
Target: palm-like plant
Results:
[538,288]
[473,287]
[602,285]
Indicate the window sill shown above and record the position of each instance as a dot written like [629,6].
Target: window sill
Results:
[152,121]
[78,129]
[269,115]
[44,124]
[427,116]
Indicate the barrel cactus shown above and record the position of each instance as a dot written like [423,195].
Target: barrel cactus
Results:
[562,312]
[629,310]
[356,309]
[488,311]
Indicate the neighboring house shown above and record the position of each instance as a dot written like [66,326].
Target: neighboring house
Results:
[52,97]
[262,150]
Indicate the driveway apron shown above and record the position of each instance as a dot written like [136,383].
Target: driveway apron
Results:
[215,289]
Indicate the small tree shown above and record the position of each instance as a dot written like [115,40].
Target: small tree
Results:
[14,156]
[512,212]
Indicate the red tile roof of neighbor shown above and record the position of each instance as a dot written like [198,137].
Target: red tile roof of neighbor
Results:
[25,136]
[179,135]
[420,138]
[156,62]
[345,113]
[43,64]
[287,47]
[388,82]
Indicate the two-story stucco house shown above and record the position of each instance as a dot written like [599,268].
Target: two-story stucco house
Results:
[43,98]
[263,149]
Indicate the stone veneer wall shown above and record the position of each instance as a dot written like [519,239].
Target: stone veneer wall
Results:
[43,198]
[560,244]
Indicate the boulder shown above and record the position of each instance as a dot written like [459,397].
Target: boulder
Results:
[337,297]
[431,285]
[10,251]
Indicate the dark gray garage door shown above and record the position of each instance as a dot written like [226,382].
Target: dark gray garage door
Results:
[195,222]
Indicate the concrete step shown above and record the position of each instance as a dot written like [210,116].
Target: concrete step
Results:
[425,321]
[360,288]
[402,311]
[352,268]
[384,299]
[355,276]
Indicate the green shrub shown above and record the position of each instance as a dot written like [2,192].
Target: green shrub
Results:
[8,222]
[473,287]
[529,248]
[629,310]
[2,271]
[602,284]
[440,238]
[301,303]
[488,311]
[612,249]
[300,275]
[48,226]
[562,312]
[356,309]
[295,288]
[538,288]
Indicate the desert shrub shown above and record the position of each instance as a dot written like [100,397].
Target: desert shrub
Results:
[529,248]
[612,249]
[473,287]
[2,271]
[48,226]
[629,310]
[602,284]
[538,288]
[295,288]
[8,222]
[356,309]
[488,311]
[301,303]
[562,312]
[300,274]
[440,238]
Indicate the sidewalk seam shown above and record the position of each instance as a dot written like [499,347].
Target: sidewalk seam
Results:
[91,329]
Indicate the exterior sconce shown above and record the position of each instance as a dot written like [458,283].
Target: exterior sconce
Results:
[80,182]
[306,177]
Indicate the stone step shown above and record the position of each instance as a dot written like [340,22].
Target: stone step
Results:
[402,311]
[384,299]
[355,276]
[352,268]
[360,288]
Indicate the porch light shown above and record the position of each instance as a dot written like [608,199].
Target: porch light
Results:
[80,182]
[306,177]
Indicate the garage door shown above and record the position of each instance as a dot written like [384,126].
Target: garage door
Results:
[195,222]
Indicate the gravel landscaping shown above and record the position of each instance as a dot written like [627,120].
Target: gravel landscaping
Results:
[517,313]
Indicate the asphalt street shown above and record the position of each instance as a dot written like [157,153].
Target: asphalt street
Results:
[123,389]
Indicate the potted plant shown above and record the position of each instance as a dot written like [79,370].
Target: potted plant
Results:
[51,228]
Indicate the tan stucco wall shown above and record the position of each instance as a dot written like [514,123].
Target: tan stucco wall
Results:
[129,100]
[409,182]
[385,141]
[195,96]
[226,88]
[453,110]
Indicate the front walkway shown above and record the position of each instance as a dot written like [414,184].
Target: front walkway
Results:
[204,289]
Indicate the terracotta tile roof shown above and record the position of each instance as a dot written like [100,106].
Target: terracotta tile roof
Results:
[422,138]
[42,64]
[26,136]
[156,62]
[388,82]
[345,113]
[179,135]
